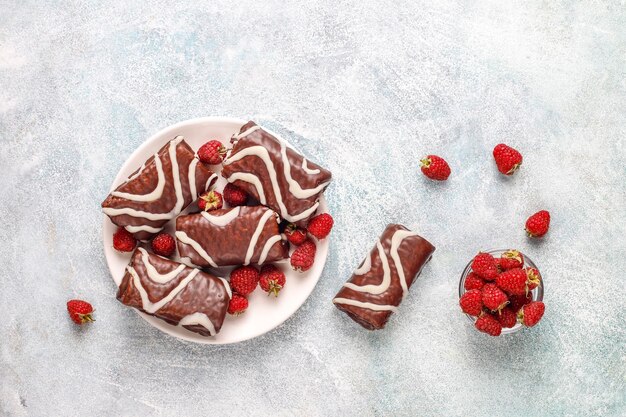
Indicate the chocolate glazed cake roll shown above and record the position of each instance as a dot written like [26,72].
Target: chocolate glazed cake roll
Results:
[274,174]
[173,292]
[236,236]
[378,286]
[157,192]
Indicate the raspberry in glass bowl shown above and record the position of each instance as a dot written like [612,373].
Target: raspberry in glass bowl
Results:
[536,293]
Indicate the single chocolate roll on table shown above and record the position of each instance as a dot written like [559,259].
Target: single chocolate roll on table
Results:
[378,286]
[236,236]
[178,294]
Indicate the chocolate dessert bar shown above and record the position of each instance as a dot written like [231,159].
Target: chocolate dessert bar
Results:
[274,174]
[178,294]
[159,190]
[236,236]
[378,286]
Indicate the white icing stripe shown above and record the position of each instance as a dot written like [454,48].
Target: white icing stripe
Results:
[263,154]
[110,211]
[191,174]
[268,246]
[366,267]
[208,182]
[294,186]
[153,274]
[247,132]
[384,285]
[137,173]
[224,219]
[227,287]
[151,307]
[396,241]
[187,261]
[255,236]
[306,169]
[252,179]
[198,319]
[155,194]
[143,228]
[370,306]
[182,236]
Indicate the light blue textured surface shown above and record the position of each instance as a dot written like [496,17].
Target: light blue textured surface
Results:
[366,88]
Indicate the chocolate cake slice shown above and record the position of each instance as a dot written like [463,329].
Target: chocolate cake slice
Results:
[178,294]
[236,236]
[379,285]
[274,174]
[159,190]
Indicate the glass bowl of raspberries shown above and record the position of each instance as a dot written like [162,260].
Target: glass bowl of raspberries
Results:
[501,292]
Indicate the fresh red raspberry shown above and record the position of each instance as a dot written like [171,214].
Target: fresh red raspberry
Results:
[237,305]
[235,196]
[507,317]
[163,244]
[538,224]
[209,201]
[473,282]
[80,311]
[533,277]
[493,297]
[295,235]
[212,152]
[507,159]
[435,168]
[472,302]
[243,280]
[123,240]
[271,280]
[513,281]
[303,257]
[320,225]
[531,313]
[518,301]
[485,266]
[511,259]
[487,323]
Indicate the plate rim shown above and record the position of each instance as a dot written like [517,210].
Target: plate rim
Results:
[175,331]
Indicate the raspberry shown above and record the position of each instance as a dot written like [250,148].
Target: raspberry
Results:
[320,225]
[487,323]
[511,259]
[494,298]
[533,277]
[212,152]
[295,235]
[237,305]
[538,224]
[209,201]
[485,266]
[473,282]
[435,168]
[80,311]
[513,281]
[234,195]
[471,302]
[271,280]
[518,301]
[303,257]
[507,159]
[531,313]
[507,317]
[123,240]
[163,244]
[243,280]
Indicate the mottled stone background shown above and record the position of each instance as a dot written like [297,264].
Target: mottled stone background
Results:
[366,88]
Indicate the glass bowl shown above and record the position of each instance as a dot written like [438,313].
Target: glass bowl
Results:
[537,292]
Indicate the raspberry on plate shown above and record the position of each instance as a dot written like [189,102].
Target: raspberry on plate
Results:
[209,201]
[494,298]
[271,280]
[435,167]
[80,311]
[531,313]
[123,240]
[295,235]
[485,266]
[320,225]
[303,257]
[244,279]
[507,159]
[235,196]
[237,304]
[473,282]
[538,224]
[212,152]
[472,302]
[511,259]
[487,323]
[163,244]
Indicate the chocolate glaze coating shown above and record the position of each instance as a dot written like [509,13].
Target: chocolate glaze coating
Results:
[256,166]
[205,293]
[228,244]
[413,252]
[147,181]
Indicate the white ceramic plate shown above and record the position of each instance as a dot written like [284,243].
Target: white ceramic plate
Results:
[264,313]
